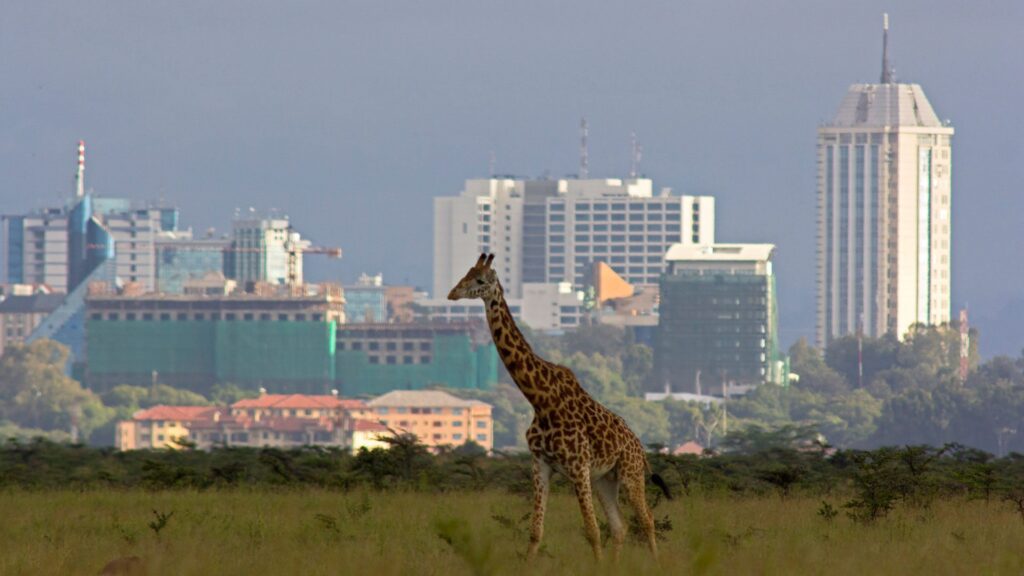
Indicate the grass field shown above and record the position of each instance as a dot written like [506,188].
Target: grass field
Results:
[313,532]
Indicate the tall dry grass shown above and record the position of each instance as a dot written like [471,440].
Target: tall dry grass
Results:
[314,532]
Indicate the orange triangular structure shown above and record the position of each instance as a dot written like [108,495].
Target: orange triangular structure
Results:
[608,285]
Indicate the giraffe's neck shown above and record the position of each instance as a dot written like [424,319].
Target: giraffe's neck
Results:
[513,349]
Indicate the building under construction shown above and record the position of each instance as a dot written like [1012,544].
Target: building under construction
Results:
[280,337]
[287,338]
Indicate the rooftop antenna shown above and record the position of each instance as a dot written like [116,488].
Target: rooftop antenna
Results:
[584,164]
[886,68]
[634,171]
[80,174]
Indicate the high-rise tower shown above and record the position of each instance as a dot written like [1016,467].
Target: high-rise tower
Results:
[884,212]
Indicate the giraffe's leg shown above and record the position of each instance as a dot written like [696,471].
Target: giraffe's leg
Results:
[580,477]
[541,480]
[607,489]
[636,491]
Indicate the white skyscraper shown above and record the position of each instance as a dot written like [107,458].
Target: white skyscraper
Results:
[884,211]
[552,231]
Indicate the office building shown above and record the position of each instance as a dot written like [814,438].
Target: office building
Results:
[718,318]
[552,231]
[884,206]
[264,250]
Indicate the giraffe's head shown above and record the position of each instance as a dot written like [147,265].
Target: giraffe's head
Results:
[479,281]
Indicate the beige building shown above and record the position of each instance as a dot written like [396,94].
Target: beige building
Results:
[884,212]
[160,426]
[436,418]
[271,420]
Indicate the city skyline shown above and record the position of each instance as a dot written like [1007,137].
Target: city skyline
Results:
[346,141]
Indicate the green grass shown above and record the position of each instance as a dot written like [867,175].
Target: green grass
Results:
[315,532]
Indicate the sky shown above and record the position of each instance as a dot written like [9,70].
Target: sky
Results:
[350,117]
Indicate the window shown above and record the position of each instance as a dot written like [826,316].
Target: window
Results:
[282,317]
[481,437]
[457,423]
[147,316]
[424,359]
[374,360]
[407,346]
[392,360]
[391,346]
[264,316]
[437,424]
[456,436]
[481,424]
[357,345]
[407,360]
[382,410]
[374,345]
[425,346]
[182,316]
[456,411]
[247,316]
[198,316]
[229,316]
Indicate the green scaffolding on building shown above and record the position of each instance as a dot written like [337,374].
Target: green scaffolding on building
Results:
[283,356]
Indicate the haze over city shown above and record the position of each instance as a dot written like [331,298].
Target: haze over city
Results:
[351,118]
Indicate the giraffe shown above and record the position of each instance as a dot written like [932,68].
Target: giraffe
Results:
[571,432]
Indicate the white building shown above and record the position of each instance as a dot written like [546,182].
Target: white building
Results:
[545,307]
[265,250]
[552,231]
[36,248]
[884,211]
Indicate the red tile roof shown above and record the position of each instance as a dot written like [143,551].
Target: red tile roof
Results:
[298,401]
[184,413]
[690,447]
[368,426]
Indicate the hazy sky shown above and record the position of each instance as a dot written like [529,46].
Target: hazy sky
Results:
[351,116]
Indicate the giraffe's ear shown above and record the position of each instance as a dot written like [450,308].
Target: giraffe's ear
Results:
[480,261]
[489,260]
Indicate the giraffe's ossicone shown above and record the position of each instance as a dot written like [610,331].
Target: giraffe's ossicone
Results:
[571,433]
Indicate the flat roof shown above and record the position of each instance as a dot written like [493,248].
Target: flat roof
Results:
[720,252]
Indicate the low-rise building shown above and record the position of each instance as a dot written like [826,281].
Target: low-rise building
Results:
[161,426]
[21,311]
[437,418]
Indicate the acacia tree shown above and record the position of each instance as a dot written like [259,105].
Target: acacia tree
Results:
[36,393]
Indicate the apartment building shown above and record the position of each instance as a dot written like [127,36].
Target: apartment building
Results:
[436,418]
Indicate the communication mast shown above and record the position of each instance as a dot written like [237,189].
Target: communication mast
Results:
[634,170]
[80,174]
[965,345]
[584,161]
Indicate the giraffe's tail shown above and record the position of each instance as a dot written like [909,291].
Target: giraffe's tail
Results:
[660,483]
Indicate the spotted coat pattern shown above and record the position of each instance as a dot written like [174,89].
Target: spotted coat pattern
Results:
[571,433]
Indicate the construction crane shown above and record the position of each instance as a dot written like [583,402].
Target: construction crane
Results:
[295,248]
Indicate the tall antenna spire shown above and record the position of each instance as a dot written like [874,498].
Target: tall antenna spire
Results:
[634,170]
[886,68]
[80,174]
[584,162]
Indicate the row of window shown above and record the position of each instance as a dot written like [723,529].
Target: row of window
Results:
[183,316]
[392,360]
[390,346]
[437,423]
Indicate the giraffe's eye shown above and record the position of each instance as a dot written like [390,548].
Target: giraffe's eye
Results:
[480,281]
